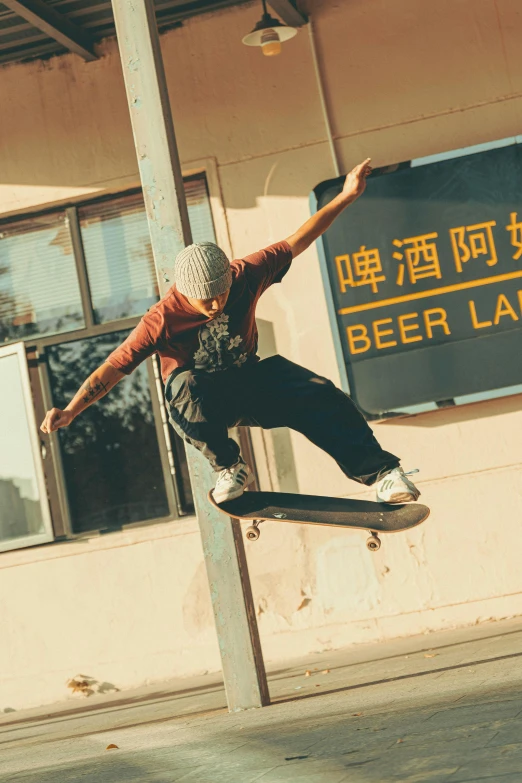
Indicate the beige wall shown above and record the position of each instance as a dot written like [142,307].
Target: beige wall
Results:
[403,79]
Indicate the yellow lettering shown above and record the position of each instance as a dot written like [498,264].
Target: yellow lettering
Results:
[503,308]
[439,319]
[344,275]
[378,334]
[403,328]
[519,295]
[354,338]
[474,319]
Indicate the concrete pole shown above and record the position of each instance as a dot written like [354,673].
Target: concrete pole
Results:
[161,178]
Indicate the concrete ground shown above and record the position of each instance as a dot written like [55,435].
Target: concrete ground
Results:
[440,707]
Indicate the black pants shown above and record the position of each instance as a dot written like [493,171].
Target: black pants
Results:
[274,393]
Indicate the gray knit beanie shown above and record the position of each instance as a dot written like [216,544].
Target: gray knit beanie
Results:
[202,271]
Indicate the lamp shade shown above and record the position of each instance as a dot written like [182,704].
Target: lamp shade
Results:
[258,35]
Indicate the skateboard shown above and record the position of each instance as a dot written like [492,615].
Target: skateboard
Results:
[376,518]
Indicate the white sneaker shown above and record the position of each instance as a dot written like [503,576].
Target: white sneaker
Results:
[231,482]
[396,487]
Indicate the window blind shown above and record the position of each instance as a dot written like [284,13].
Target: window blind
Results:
[200,215]
[118,253]
[39,291]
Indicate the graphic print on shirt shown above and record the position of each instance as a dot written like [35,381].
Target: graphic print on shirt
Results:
[217,349]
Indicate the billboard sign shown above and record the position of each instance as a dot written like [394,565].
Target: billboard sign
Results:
[425,274]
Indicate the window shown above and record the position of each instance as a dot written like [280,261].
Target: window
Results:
[118,253]
[111,457]
[119,260]
[198,204]
[72,285]
[39,289]
[24,513]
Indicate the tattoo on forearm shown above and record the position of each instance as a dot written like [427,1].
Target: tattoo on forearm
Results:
[93,389]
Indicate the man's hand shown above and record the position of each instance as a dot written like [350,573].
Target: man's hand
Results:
[96,386]
[355,182]
[56,418]
[354,186]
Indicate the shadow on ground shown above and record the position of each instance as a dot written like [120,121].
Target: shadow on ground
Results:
[470,740]
[459,721]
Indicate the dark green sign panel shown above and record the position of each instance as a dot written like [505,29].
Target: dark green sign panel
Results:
[425,273]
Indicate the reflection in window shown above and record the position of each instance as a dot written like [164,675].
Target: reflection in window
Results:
[39,292]
[198,204]
[119,258]
[110,453]
[118,252]
[20,510]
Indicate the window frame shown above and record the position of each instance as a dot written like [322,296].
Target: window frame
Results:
[37,446]
[59,503]
[51,478]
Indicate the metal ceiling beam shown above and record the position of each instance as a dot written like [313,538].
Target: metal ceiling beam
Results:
[288,12]
[55,25]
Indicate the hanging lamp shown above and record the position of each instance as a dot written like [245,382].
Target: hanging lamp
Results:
[269,33]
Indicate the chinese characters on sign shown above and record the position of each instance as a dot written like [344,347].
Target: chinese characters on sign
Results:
[363,268]
[419,257]
[424,278]
[473,241]
[515,229]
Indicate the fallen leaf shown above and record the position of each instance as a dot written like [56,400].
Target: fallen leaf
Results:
[82,685]
[325,671]
[308,673]
[357,714]
[318,685]
[431,655]
[112,747]
[78,685]
[398,741]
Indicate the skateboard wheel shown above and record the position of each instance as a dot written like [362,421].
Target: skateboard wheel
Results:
[373,543]
[252,533]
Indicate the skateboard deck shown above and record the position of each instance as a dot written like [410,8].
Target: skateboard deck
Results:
[257,507]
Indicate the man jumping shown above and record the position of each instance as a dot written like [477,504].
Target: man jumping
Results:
[205,333]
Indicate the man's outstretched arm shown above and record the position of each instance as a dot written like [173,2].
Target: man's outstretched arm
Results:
[97,385]
[354,186]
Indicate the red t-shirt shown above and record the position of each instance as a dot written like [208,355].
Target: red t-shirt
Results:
[181,336]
